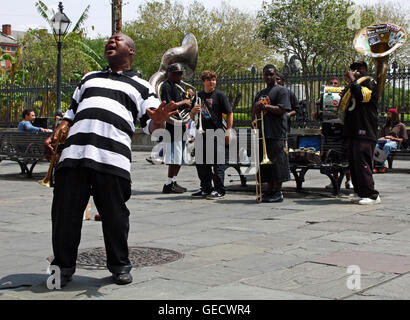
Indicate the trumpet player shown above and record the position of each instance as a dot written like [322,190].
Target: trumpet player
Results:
[214,104]
[274,103]
[175,149]
[96,158]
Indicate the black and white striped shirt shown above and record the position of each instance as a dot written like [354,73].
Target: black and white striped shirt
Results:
[103,112]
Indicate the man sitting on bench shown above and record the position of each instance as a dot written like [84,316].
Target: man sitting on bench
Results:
[393,133]
[26,124]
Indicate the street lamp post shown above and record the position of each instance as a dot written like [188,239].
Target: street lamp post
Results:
[60,23]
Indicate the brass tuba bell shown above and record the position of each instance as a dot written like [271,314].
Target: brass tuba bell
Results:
[377,41]
[187,56]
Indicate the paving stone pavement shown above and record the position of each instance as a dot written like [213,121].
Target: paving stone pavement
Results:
[232,248]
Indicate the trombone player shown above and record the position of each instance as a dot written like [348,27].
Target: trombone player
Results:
[274,103]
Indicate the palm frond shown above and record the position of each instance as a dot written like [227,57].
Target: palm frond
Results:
[91,54]
[81,20]
[43,11]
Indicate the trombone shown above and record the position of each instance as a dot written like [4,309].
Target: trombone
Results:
[265,159]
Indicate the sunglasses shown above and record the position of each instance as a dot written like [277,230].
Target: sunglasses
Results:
[334,83]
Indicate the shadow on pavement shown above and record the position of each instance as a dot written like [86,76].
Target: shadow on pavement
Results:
[37,284]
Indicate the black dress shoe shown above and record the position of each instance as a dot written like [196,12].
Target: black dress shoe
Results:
[122,278]
[64,280]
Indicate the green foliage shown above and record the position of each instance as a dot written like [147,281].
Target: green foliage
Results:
[315,31]
[226,37]
[40,52]
[40,57]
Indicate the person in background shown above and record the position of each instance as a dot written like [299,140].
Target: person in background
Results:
[392,134]
[26,124]
[334,82]
[294,102]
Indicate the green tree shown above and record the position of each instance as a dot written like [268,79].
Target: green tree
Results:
[226,37]
[40,51]
[315,31]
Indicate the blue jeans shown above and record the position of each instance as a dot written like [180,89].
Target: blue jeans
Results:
[387,147]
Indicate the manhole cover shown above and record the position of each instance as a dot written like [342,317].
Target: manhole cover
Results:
[95,258]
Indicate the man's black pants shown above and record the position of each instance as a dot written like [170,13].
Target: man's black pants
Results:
[73,187]
[214,171]
[209,173]
[361,167]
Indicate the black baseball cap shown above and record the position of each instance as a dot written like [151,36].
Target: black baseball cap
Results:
[357,64]
[175,67]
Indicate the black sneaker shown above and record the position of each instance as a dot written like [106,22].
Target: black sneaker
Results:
[170,188]
[178,187]
[274,197]
[122,278]
[200,194]
[215,195]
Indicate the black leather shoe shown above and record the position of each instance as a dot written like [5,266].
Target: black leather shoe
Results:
[122,278]
[64,280]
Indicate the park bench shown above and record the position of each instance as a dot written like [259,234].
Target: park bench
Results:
[332,159]
[25,148]
[402,153]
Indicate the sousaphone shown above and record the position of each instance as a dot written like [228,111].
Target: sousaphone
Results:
[187,55]
[377,41]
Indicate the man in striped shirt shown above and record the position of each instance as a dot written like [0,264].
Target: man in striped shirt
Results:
[96,158]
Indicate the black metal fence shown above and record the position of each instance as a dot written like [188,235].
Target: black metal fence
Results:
[40,97]
[240,88]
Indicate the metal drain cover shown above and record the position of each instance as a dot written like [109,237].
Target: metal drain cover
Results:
[95,258]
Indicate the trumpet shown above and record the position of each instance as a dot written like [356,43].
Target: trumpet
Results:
[61,136]
[198,101]
[265,159]
[198,117]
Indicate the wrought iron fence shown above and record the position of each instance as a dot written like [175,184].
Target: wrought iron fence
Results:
[240,88]
[41,98]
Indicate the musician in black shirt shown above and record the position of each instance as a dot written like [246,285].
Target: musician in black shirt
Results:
[360,129]
[175,149]
[276,133]
[214,104]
